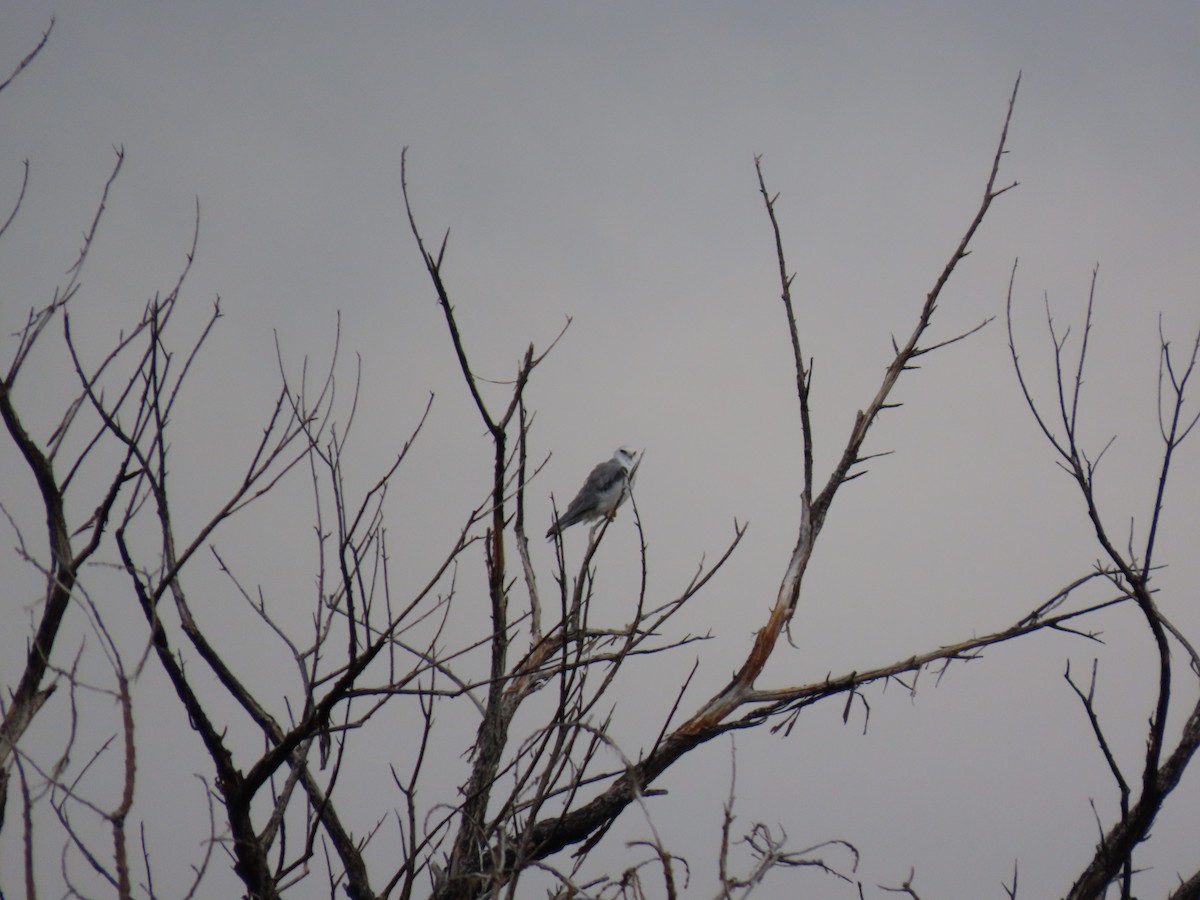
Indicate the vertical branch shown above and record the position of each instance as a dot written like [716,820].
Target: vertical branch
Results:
[535,601]
[466,856]
[27,855]
[118,817]
[1088,701]
[433,265]
[29,696]
[803,373]
[1172,436]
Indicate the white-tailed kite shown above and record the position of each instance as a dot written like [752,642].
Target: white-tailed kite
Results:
[605,489]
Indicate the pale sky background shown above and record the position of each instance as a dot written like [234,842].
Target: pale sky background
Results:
[596,161]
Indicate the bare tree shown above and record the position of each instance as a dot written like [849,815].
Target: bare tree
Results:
[537,796]
[1130,573]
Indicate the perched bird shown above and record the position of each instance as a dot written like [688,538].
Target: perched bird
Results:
[605,489]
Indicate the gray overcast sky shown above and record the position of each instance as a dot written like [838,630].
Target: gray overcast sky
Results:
[595,161]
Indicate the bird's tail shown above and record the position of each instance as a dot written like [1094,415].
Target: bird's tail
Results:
[566,520]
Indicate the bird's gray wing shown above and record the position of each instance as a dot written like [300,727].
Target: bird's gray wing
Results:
[602,479]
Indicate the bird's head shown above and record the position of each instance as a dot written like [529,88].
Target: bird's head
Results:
[626,456]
